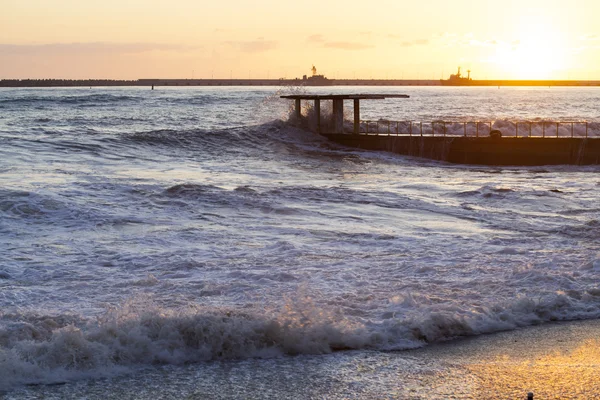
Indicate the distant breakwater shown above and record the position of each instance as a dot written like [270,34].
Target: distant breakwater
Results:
[279,82]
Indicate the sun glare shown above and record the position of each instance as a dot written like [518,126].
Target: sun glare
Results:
[539,53]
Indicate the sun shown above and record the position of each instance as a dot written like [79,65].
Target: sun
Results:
[539,53]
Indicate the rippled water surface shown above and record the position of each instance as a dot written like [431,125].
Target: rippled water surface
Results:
[143,227]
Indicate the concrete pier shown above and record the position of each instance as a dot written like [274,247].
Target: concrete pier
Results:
[298,109]
[318,114]
[338,115]
[478,149]
[356,116]
[482,150]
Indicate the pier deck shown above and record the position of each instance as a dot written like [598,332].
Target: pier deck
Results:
[338,106]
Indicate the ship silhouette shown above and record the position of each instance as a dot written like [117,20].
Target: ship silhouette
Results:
[458,80]
[316,80]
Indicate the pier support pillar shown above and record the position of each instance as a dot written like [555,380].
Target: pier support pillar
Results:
[318,114]
[338,115]
[356,116]
[298,110]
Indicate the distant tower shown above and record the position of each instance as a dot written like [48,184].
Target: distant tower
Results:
[469,74]
[314,70]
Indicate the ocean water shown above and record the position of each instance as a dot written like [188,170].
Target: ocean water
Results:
[145,231]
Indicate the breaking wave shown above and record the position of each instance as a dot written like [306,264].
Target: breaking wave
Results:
[37,349]
[273,135]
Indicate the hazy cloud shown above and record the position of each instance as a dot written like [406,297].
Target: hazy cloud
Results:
[320,39]
[348,45]
[418,42]
[367,35]
[591,42]
[486,43]
[452,39]
[590,37]
[316,38]
[254,46]
[89,48]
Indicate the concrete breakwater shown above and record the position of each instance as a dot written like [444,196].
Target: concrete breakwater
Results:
[481,150]
[213,82]
[278,82]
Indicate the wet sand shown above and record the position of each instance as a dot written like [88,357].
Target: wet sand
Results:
[554,361]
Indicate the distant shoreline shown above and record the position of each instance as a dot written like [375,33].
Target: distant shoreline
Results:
[29,83]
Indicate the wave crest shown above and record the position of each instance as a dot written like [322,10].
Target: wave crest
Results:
[46,350]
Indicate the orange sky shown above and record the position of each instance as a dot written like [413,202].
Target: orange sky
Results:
[426,39]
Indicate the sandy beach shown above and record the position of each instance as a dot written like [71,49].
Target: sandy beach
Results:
[554,361]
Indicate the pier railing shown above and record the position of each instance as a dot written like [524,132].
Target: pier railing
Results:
[519,128]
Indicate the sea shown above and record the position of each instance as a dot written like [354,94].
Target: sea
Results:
[193,241]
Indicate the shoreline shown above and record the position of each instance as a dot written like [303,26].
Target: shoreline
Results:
[553,360]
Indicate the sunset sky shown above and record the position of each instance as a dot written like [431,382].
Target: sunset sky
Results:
[426,39]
